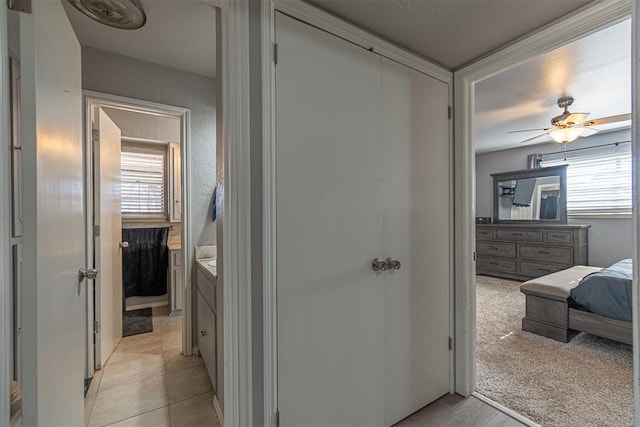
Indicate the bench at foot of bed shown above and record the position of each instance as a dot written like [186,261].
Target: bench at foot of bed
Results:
[547,306]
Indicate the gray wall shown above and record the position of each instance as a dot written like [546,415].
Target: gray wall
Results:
[115,74]
[609,240]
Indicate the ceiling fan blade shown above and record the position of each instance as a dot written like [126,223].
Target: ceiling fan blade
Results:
[529,130]
[532,138]
[607,120]
[576,118]
[587,131]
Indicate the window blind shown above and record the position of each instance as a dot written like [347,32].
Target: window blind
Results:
[599,182]
[143,183]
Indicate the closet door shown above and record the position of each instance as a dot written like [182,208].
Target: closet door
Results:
[329,228]
[417,231]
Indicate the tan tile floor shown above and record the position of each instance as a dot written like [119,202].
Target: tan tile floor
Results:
[147,382]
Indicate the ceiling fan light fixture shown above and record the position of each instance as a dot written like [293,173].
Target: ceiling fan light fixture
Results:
[568,134]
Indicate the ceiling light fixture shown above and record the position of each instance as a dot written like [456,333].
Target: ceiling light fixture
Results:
[567,134]
[122,14]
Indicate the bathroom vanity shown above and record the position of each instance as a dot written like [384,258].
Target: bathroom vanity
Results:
[209,320]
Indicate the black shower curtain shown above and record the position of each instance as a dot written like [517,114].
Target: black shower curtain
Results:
[145,262]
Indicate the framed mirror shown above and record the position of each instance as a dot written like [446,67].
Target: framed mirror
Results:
[530,196]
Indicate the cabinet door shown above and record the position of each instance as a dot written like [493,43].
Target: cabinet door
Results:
[211,324]
[177,289]
[201,324]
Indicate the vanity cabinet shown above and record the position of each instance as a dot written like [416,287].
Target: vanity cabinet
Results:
[175,281]
[207,322]
[527,251]
[206,336]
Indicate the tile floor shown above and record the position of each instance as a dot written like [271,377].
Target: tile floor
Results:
[147,382]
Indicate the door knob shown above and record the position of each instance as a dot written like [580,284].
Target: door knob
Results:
[392,264]
[124,244]
[203,333]
[88,274]
[378,265]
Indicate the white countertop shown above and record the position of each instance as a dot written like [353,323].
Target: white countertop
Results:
[204,266]
[174,246]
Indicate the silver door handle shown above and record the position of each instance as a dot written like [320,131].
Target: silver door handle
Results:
[393,264]
[124,244]
[88,274]
[378,265]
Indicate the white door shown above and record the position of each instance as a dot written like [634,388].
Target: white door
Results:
[329,228]
[108,217]
[417,232]
[53,217]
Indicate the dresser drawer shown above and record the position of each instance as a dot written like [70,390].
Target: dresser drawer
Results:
[561,255]
[495,248]
[537,269]
[558,236]
[520,235]
[496,264]
[484,233]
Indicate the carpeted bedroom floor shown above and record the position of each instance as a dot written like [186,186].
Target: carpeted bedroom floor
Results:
[586,382]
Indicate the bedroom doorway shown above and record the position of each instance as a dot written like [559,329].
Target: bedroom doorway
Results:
[505,358]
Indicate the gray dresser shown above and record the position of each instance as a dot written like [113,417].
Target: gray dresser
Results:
[526,251]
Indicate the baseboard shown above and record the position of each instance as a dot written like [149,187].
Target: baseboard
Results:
[216,407]
[513,414]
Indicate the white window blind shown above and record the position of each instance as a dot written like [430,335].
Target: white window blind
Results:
[143,183]
[599,181]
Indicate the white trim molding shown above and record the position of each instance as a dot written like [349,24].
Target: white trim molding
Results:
[269,261]
[583,22]
[5,227]
[236,241]
[635,147]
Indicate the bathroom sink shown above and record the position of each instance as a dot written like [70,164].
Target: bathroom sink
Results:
[212,263]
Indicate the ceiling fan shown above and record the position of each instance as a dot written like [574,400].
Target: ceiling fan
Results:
[568,126]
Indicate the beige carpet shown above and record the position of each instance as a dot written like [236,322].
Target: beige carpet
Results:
[586,382]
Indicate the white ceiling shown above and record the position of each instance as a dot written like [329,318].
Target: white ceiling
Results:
[595,70]
[178,34]
[450,32]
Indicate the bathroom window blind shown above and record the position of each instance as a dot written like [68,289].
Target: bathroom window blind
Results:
[143,183]
[598,181]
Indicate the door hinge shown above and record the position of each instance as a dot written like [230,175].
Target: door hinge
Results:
[277,417]
[96,326]
[19,5]
[96,231]
[474,256]
[450,343]
[275,53]
[450,112]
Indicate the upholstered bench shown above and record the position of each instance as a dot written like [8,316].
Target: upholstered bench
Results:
[547,307]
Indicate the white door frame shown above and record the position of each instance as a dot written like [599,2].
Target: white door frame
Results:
[577,25]
[635,147]
[324,21]
[5,225]
[97,99]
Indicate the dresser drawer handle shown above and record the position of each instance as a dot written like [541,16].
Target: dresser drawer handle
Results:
[559,236]
[544,252]
[494,263]
[516,234]
[493,248]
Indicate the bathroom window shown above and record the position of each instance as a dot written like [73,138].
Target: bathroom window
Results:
[144,182]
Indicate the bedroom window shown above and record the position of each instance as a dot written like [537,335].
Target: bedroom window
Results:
[143,182]
[599,181]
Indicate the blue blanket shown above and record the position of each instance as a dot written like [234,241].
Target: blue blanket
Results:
[607,292]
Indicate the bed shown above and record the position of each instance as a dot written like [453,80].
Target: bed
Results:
[581,299]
